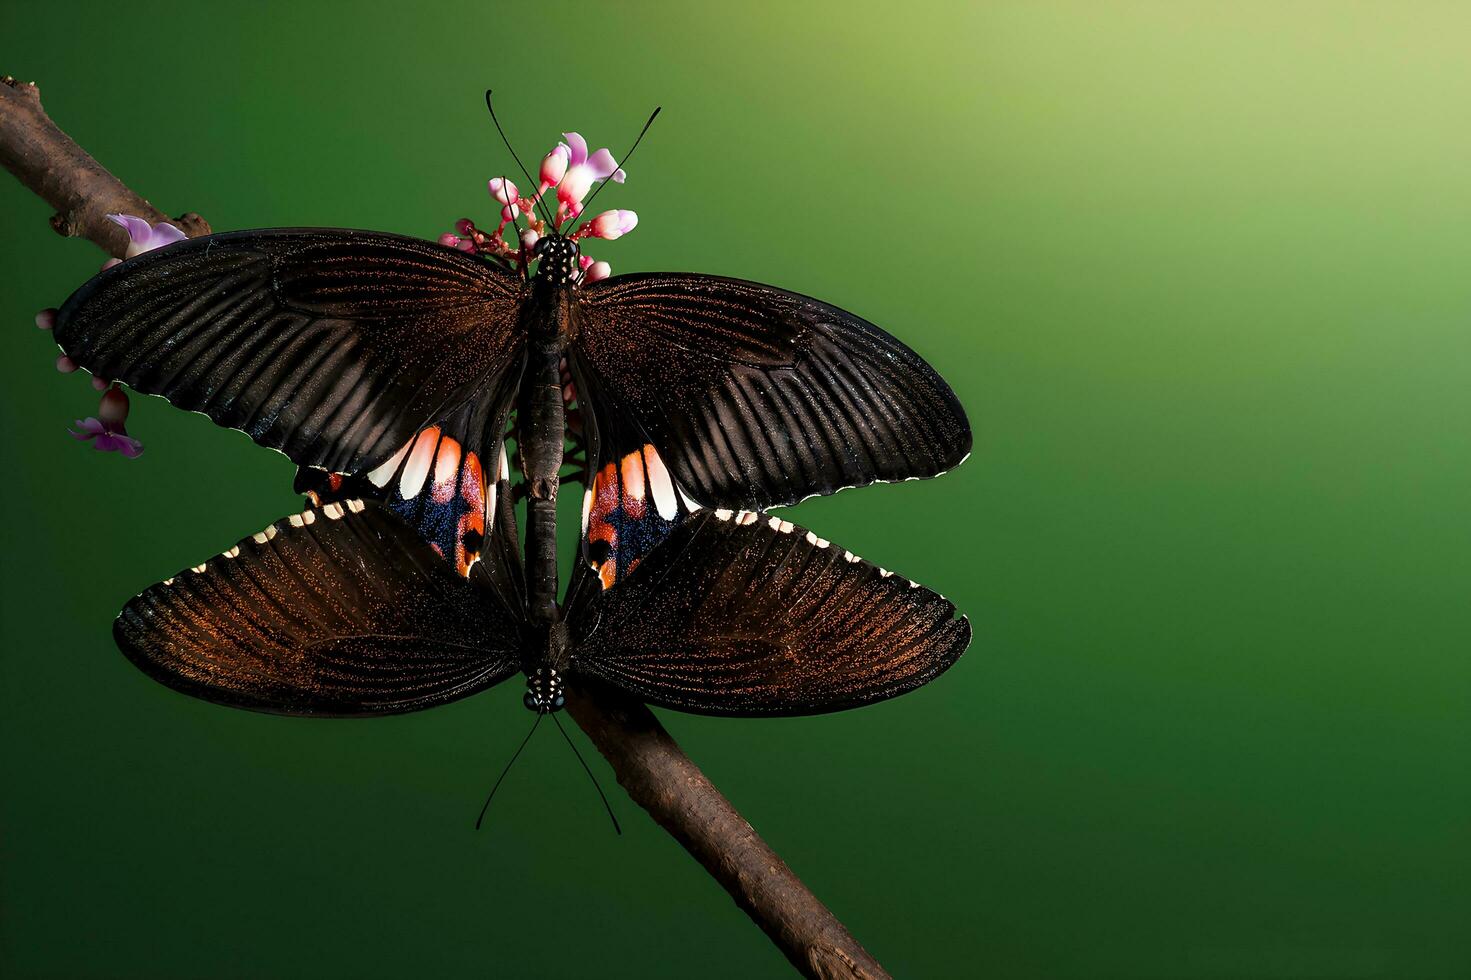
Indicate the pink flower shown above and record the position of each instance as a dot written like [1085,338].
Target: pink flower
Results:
[554,166]
[574,172]
[504,191]
[611,225]
[583,171]
[107,432]
[596,271]
[143,237]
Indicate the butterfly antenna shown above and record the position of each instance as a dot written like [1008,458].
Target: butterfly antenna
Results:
[606,805]
[539,716]
[622,160]
[529,182]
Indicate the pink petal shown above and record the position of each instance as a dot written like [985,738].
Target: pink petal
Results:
[502,190]
[602,164]
[612,224]
[65,364]
[575,185]
[91,428]
[114,443]
[554,165]
[46,319]
[164,234]
[596,271]
[137,228]
[577,146]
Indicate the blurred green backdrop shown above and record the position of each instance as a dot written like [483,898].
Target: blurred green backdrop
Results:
[1199,273]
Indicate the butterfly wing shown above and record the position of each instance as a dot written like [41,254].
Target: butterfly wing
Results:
[337,611]
[758,397]
[445,481]
[631,502]
[744,614]
[333,346]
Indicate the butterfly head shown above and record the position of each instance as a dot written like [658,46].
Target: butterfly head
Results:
[544,691]
[558,260]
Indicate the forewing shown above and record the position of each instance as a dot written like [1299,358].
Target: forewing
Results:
[333,346]
[341,610]
[758,397]
[744,614]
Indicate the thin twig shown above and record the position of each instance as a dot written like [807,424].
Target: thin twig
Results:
[647,761]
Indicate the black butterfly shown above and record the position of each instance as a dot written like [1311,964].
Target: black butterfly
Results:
[387,367]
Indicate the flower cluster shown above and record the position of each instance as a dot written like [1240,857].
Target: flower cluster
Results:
[107,430]
[569,173]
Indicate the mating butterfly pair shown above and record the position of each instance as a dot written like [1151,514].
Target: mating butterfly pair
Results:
[387,369]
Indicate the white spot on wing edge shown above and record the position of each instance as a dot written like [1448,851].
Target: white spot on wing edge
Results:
[381,476]
[660,484]
[724,515]
[586,508]
[356,505]
[416,470]
[334,511]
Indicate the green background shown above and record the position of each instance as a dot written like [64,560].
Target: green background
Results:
[1199,273]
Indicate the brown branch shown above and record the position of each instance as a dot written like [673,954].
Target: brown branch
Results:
[81,190]
[662,779]
[648,762]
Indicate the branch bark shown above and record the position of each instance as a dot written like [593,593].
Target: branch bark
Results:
[661,778]
[66,177]
[647,761]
